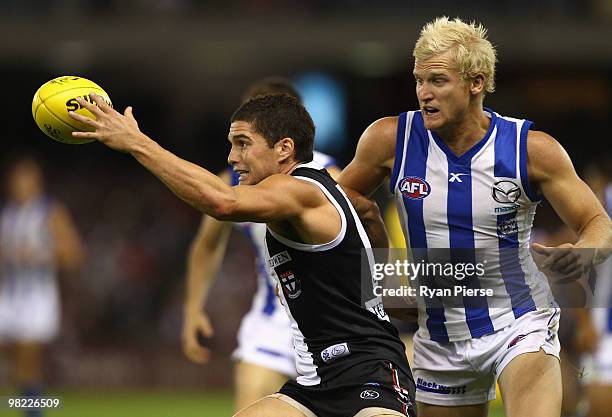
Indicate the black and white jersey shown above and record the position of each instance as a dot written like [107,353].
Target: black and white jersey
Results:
[333,327]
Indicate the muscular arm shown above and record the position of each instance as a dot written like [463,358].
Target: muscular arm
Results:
[372,163]
[552,171]
[373,159]
[276,199]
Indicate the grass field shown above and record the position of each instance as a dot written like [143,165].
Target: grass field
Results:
[150,404]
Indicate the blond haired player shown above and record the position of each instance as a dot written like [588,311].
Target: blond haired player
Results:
[265,354]
[465,177]
[37,239]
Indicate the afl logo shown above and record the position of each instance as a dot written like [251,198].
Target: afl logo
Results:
[414,188]
[506,192]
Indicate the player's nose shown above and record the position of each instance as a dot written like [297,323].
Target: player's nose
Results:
[232,158]
[424,93]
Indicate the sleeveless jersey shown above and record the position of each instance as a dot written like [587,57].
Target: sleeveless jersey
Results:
[265,301]
[333,328]
[479,202]
[25,228]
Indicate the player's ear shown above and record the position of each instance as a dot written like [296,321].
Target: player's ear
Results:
[477,84]
[285,148]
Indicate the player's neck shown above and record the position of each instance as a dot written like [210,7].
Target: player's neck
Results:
[289,166]
[466,132]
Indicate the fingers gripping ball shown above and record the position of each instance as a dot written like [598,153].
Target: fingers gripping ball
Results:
[54,99]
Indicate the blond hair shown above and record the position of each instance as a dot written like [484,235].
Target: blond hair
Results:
[468,46]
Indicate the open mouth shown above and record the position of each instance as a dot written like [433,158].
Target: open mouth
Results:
[242,174]
[430,111]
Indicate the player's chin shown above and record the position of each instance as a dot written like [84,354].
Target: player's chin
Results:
[245,181]
[433,121]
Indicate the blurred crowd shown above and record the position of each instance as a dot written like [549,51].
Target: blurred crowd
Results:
[592,9]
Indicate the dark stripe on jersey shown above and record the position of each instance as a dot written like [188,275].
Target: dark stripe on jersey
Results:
[523,163]
[505,149]
[511,270]
[416,166]
[461,233]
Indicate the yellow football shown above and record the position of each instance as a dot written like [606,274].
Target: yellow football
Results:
[55,98]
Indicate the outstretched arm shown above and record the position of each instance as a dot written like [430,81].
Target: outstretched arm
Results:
[275,199]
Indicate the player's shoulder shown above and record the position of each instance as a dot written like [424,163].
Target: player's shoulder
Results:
[286,184]
[378,140]
[385,126]
[541,145]
[545,155]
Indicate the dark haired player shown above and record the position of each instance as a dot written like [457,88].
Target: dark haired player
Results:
[264,358]
[350,360]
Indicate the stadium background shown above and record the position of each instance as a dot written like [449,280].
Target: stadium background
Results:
[182,65]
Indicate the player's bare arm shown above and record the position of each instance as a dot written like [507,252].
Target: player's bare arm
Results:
[374,157]
[287,204]
[205,255]
[69,250]
[552,172]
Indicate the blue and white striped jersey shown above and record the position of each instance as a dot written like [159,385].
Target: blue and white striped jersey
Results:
[265,300]
[25,229]
[481,200]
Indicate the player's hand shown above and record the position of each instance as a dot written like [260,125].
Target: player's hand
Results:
[117,131]
[566,259]
[196,324]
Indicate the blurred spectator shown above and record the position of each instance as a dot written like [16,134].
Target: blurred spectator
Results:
[37,238]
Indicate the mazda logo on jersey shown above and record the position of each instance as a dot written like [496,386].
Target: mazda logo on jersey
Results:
[506,192]
[291,285]
[414,188]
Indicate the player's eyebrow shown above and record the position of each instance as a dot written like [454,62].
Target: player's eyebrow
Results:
[431,73]
[230,138]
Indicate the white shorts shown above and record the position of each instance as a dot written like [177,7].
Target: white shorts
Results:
[266,341]
[30,317]
[598,366]
[465,372]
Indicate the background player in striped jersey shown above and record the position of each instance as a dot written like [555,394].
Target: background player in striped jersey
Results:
[37,238]
[465,177]
[265,353]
